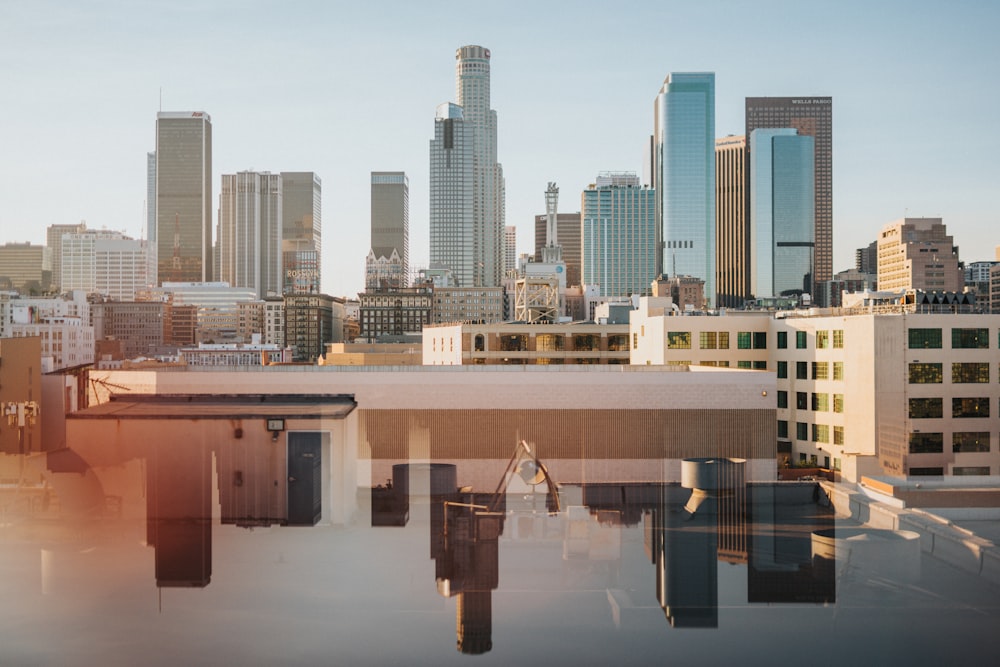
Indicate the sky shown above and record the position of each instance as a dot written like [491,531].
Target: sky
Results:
[347,88]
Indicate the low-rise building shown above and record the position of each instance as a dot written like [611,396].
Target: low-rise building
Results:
[515,343]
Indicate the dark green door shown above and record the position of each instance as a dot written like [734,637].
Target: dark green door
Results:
[305,488]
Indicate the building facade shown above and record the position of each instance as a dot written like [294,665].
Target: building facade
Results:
[918,254]
[184,248]
[302,223]
[813,117]
[782,206]
[521,343]
[390,222]
[140,326]
[26,268]
[53,241]
[568,226]
[250,228]
[395,312]
[684,176]
[312,321]
[618,228]
[467,304]
[732,224]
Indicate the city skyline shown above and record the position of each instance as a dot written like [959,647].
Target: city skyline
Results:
[93,88]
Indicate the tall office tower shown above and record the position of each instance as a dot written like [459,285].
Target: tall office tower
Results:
[151,217]
[811,116]
[452,242]
[568,225]
[509,249]
[918,253]
[479,259]
[782,205]
[302,220]
[684,176]
[732,224]
[618,222]
[390,213]
[104,262]
[250,220]
[53,241]
[183,196]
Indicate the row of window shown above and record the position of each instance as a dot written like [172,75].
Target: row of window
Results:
[933,408]
[820,432]
[820,401]
[974,372]
[961,339]
[823,339]
[717,340]
[820,370]
[962,442]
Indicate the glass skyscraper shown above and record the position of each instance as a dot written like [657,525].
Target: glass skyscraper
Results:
[782,212]
[684,176]
[250,220]
[390,220]
[618,225]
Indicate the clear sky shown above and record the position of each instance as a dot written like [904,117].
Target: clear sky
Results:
[346,88]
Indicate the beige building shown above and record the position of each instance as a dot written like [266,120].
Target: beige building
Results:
[881,389]
[918,253]
[372,354]
[524,343]
[20,384]
[26,268]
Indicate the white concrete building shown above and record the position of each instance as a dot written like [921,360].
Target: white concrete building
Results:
[66,341]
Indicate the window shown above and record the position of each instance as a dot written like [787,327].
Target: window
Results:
[926,472]
[679,340]
[973,441]
[760,340]
[970,470]
[801,431]
[782,429]
[635,341]
[782,340]
[926,373]
[838,402]
[926,443]
[973,372]
[926,408]
[743,364]
[782,399]
[821,433]
[822,340]
[743,340]
[821,370]
[800,340]
[838,370]
[760,365]
[782,370]
[838,339]
[723,340]
[801,400]
[707,340]
[838,436]
[970,407]
[925,338]
[970,338]
[800,370]
[821,402]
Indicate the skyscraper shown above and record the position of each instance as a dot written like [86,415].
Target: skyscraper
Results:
[732,226]
[467,209]
[569,239]
[618,226]
[302,230]
[510,248]
[390,220]
[183,196]
[250,222]
[151,217]
[684,176]
[811,116]
[53,241]
[782,205]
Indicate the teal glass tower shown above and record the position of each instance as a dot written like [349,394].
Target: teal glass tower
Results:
[618,227]
[782,212]
[684,176]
